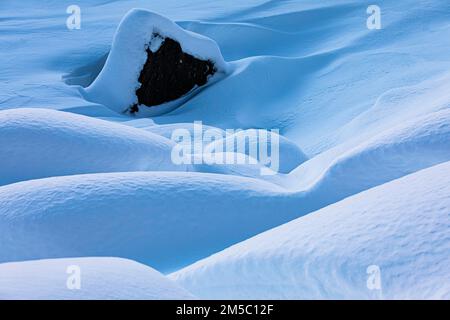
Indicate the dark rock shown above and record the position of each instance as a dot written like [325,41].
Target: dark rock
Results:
[169,73]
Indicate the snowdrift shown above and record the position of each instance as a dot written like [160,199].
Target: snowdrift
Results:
[100,278]
[366,106]
[312,68]
[163,219]
[38,143]
[403,149]
[249,142]
[140,30]
[246,166]
[329,253]
[170,219]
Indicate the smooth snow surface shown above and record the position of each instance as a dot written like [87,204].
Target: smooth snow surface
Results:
[362,117]
[39,143]
[403,230]
[163,219]
[99,278]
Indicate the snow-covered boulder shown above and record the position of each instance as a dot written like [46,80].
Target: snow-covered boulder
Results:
[163,219]
[154,62]
[38,143]
[389,242]
[85,278]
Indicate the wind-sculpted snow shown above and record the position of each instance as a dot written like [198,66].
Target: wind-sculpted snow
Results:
[404,149]
[355,108]
[39,143]
[249,143]
[390,242]
[171,219]
[85,278]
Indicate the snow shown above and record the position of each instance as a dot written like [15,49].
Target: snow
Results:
[248,141]
[401,150]
[326,254]
[171,219]
[363,118]
[39,143]
[245,165]
[99,278]
[164,219]
[116,84]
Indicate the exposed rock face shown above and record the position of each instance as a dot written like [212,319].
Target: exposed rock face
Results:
[169,73]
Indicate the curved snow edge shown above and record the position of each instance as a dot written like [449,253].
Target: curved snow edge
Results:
[116,84]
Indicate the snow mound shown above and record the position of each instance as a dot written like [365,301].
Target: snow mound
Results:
[401,150]
[245,166]
[336,252]
[171,219]
[99,278]
[37,143]
[163,219]
[360,103]
[118,81]
[167,130]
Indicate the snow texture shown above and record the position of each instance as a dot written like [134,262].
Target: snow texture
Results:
[329,253]
[165,218]
[99,278]
[116,84]
[364,127]
[39,143]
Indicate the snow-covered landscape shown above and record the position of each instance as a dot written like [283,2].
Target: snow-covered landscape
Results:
[252,149]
